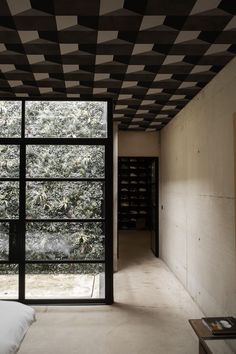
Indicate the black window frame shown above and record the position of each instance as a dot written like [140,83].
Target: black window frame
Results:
[20,224]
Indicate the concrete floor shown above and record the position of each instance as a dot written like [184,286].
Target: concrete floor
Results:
[149,315]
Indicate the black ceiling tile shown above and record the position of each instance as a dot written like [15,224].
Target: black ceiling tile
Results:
[107,60]
[18,48]
[8,22]
[169,7]
[226,37]
[117,22]
[158,36]
[188,49]
[89,21]
[136,6]
[128,36]
[207,21]
[49,35]
[44,6]
[192,59]
[9,36]
[213,59]
[209,36]
[35,23]
[83,37]
[162,48]
[176,22]
[228,6]
[232,49]
[151,61]
[79,8]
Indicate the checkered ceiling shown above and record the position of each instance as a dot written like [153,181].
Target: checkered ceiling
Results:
[150,56]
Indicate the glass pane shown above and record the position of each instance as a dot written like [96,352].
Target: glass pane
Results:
[71,119]
[10,119]
[9,200]
[64,200]
[4,241]
[64,281]
[65,241]
[9,161]
[8,281]
[65,161]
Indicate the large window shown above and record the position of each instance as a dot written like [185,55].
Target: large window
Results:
[56,201]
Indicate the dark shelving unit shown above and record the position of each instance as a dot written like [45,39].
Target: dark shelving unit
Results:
[138,196]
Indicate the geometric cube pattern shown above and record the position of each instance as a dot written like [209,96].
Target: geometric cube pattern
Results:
[150,56]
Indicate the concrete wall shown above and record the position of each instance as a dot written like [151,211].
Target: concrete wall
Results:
[132,143]
[197,231]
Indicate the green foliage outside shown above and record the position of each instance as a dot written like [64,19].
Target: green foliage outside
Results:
[53,199]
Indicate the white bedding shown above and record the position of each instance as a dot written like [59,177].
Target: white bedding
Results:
[15,319]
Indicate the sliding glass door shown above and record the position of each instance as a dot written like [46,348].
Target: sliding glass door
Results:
[56,201]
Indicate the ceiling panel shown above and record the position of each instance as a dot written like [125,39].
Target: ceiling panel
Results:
[151,57]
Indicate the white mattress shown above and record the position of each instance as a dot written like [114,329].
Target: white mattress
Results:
[15,319]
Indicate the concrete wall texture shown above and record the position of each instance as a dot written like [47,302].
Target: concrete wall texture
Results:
[134,143]
[197,231]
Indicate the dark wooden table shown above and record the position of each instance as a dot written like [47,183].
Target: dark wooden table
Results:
[203,333]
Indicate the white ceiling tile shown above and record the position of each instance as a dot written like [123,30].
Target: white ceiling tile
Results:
[66,48]
[142,48]
[151,21]
[145,102]
[187,84]
[70,68]
[231,24]
[171,59]
[41,76]
[35,58]
[7,67]
[121,106]
[200,69]
[98,77]
[110,6]
[155,123]
[129,84]
[99,90]
[28,36]
[73,95]
[160,77]
[101,59]
[177,97]
[71,83]
[64,22]
[204,5]
[154,90]
[124,96]
[2,47]
[15,83]
[217,48]
[105,36]
[44,90]
[18,94]
[134,68]
[184,36]
[18,6]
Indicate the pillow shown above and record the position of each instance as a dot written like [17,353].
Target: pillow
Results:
[15,319]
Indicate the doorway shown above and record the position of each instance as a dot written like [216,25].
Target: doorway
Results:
[55,207]
[138,196]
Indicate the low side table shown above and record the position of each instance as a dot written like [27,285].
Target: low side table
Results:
[204,335]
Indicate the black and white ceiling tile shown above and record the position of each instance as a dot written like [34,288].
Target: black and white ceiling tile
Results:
[150,56]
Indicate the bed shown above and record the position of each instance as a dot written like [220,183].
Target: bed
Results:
[15,319]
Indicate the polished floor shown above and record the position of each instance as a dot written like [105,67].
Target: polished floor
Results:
[150,314]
